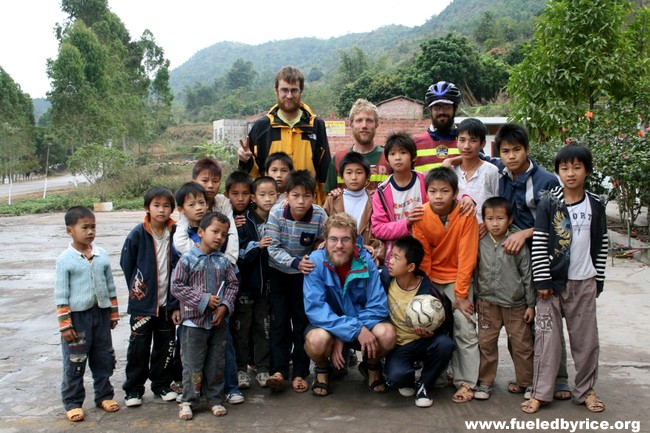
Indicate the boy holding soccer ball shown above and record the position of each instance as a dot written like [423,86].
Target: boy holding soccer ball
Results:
[403,282]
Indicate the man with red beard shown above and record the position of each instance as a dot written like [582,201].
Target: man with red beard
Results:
[346,306]
[439,142]
[364,120]
[290,126]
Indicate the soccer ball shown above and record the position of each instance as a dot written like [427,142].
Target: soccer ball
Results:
[426,312]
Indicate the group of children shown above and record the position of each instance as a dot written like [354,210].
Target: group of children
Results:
[221,290]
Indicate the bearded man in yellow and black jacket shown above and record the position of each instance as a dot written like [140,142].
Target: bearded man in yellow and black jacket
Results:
[290,126]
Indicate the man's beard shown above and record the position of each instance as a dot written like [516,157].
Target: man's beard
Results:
[363,140]
[291,106]
[443,125]
[341,262]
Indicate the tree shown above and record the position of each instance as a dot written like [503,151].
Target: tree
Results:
[374,87]
[579,54]
[97,163]
[241,75]
[106,87]
[17,133]
[352,63]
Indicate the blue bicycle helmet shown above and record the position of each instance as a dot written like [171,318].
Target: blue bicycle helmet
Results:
[442,92]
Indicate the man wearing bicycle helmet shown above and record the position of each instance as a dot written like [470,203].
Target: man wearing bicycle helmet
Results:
[439,142]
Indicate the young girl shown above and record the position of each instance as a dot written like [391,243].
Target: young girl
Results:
[398,200]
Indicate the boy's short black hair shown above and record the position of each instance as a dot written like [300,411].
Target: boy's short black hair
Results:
[159,192]
[237,177]
[263,179]
[443,174]
[303,178]
[512,133]
[495,203]
[75,213]
[574,152]
[401,140]
[211,165]
[354,158]
[413,250]
[283,157]
[207,219]
[189,189]
[474,127]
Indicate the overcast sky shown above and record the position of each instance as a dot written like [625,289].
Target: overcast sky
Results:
[184,27]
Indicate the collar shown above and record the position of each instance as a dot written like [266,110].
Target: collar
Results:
[147,224]
[305,219]
[93,251]
[358,269]
[443,135]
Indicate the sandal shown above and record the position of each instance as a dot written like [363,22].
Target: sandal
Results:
[109,405]
[275,381]
[185,413]
[319,385]
[75,415]
[379,385]
[514,388]
[561,391]
[299,384]
[463,394]
[532,405]
[593,404]
[218,410]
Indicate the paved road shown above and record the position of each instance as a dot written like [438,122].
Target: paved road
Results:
[32,186]
[30,361]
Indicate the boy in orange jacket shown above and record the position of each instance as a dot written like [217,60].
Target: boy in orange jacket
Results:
[450,242]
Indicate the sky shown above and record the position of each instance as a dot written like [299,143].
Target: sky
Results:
[182,28]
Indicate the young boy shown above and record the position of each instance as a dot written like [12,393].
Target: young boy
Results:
[356,200]
[207,173]
[568,256]
[147,262]
[238,192]
[450,242]
[478,179]
[205,283]
[278,165]
[505,298]
[250,320]
[435,349]
[295,228]
[86,308]
[192,205]
[397,203]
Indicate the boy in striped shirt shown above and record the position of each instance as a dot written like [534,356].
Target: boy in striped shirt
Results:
[296,228]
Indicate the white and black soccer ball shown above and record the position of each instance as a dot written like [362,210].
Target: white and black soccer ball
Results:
[426,312]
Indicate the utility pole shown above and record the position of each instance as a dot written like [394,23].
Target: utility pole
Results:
[47,166]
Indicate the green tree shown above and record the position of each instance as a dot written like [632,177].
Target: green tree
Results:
[352,63]
[578,56]
[241,75]
[375,87]
[98,164]
[17,133]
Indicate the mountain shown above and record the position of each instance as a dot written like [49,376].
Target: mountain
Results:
[395,41]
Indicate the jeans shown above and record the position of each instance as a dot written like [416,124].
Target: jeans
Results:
[250,327]
[204,360]
[144,362]
[94,345]
[434,352]
[288,323]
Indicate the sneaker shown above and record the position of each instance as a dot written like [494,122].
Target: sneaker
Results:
[353,358]
[406,392]
[483,392]
[422,398]
[243,381]
[166,394]
[261,379]
[235,398]
[133,399]
[528,394]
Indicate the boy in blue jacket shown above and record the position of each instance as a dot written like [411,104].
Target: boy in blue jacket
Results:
[147,262]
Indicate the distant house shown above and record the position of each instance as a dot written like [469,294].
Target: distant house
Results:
[401,107]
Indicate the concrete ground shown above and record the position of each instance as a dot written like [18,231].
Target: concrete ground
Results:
[30,360]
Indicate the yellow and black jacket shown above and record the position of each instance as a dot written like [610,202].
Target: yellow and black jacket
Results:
[306,143]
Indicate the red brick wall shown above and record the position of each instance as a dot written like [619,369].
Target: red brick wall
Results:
[386,128]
